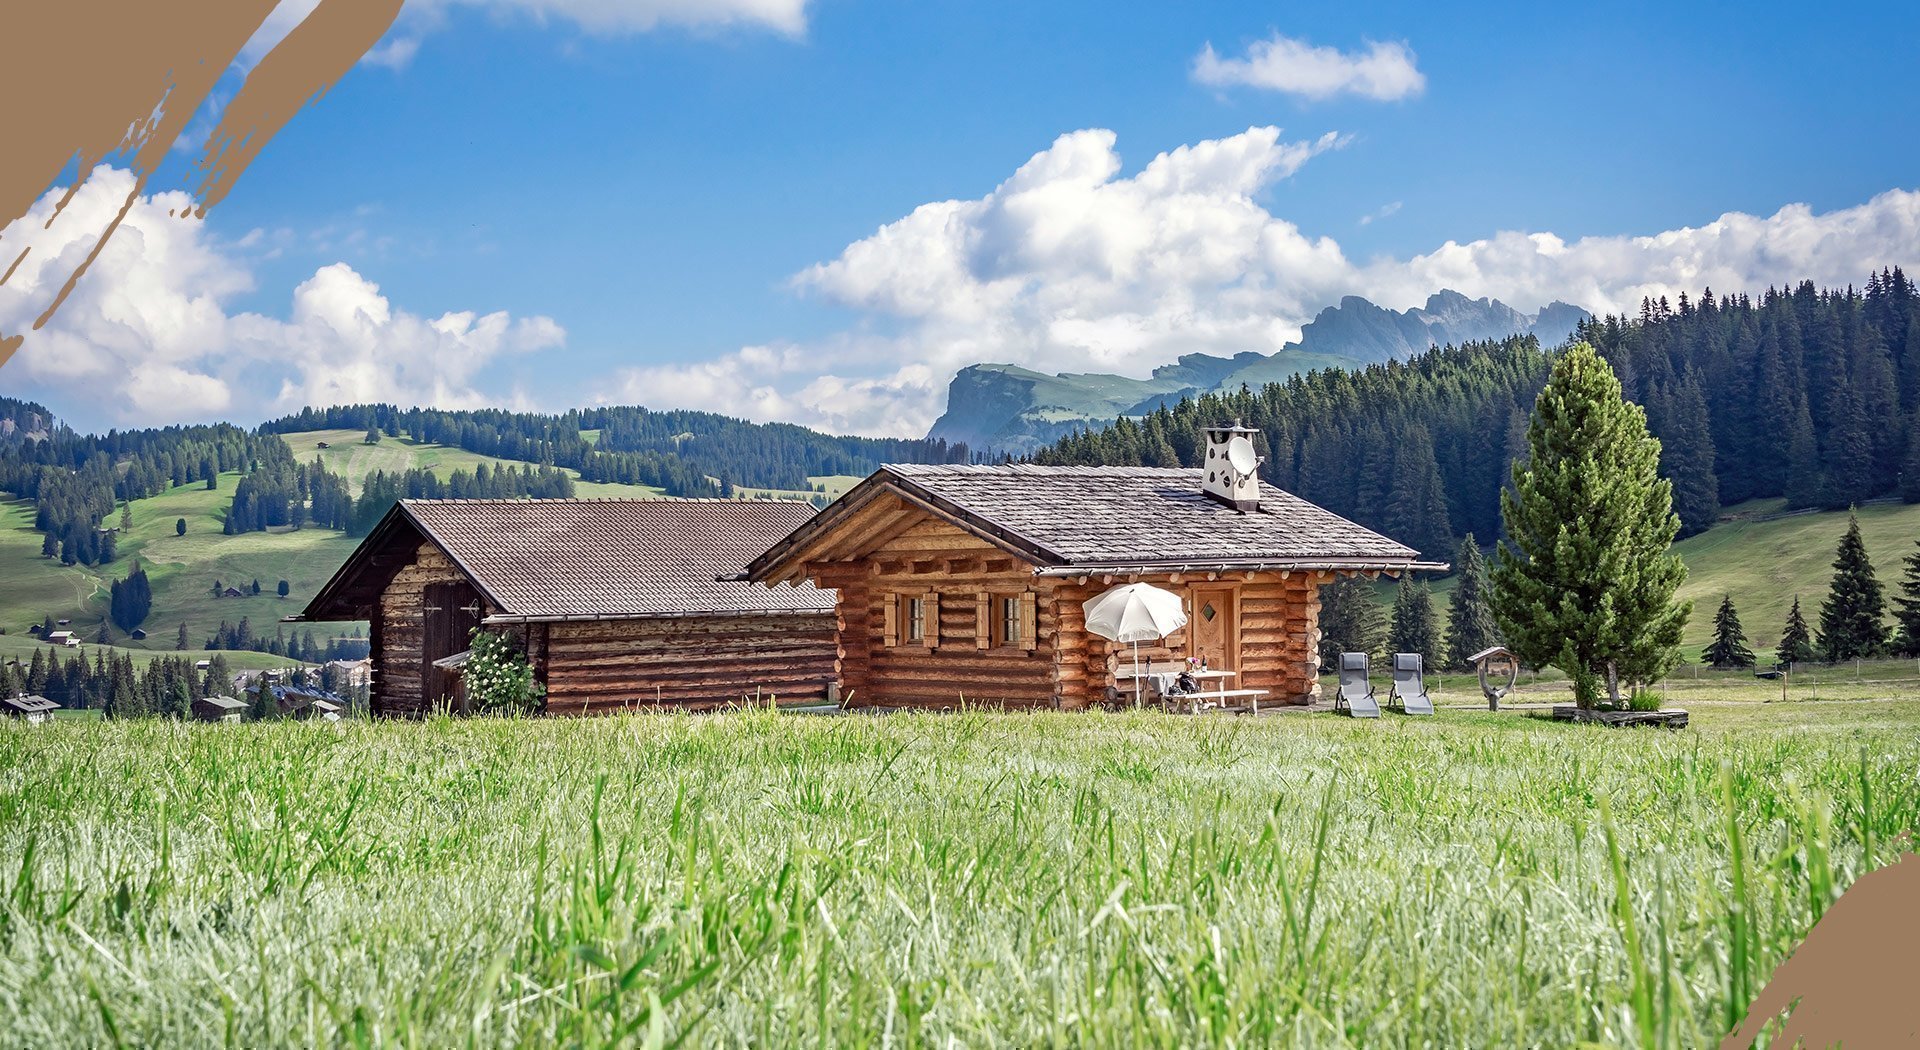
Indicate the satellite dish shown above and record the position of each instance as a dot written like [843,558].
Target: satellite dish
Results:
[1241,458]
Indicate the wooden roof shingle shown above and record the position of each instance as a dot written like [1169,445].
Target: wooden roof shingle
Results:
[590,559]
[1078,519]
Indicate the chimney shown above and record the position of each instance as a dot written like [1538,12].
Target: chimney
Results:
[1232,469]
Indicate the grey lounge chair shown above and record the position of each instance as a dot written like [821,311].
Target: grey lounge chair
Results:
[1410,685]
[1356,689]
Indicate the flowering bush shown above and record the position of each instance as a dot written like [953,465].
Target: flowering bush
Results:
[499,677]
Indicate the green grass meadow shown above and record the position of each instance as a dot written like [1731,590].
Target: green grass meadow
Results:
[972,879]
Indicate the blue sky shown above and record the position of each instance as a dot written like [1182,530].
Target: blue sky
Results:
[652,191]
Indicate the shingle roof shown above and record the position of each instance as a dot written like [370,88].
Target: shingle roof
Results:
[29,703]
[611,559]
[1117,517]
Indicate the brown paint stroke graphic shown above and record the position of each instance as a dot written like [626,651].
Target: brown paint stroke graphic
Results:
[1850,983]
[125,76]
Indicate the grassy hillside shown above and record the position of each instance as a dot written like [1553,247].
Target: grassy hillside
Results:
[1764,563]
[1763,558]
[348,455]
[183,568]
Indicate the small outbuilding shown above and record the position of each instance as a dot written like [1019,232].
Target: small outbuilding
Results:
[617,603]
[968,583]
[28,708]
[219,709]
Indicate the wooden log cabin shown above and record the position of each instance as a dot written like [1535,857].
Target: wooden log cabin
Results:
[618,603]
[967,582]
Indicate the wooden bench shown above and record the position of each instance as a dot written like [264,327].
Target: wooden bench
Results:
[1196,702]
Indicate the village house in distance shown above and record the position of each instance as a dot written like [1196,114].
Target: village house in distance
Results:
[970,580]
[618,602]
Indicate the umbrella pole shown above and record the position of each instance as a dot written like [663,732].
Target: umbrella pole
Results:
[1136,676]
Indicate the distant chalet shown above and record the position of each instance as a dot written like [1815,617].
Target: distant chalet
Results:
[618,602]
[966,582]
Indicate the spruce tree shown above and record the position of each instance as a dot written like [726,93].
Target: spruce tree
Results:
[1686,457]
[1470,627]
[1907,605]
[182,642]
[1729,647]
[1796,640]
[1413,628]
[1350,620]
[1585,581]
[1850,619]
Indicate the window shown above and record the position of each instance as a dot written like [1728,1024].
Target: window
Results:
[1009,619]
[1012,617]
[913,619]
[914,610]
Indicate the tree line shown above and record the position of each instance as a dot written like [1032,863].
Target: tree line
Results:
[1804,394]
[1416,449]
[76,480]
[302,646]
[685,453]
[167,686]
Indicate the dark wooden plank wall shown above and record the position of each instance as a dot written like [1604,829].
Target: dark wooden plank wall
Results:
[398,688]
[696,661]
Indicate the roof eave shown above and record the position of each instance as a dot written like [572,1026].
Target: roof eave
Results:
[1193,565]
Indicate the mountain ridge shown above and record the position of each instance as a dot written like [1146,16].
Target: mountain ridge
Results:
[1012,408]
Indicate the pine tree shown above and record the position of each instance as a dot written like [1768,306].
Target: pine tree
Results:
[1585,581]
[1729,647]
[1907,605]
[1470,626]
[1350,620]
[1796,640]
[1413,628]
[1804,479]
[182,642]
[1686,457]
[1415,509]
[180,527]
[1850,619]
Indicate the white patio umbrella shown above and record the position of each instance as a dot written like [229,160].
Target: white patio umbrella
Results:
[1135,613]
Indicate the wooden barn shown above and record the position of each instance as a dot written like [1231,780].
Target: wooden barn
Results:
[618,603]
[968,581]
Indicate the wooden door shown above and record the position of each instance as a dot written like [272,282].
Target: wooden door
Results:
[451,612]
[1213,626]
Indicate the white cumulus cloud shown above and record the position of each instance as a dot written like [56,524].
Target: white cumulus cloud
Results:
[1383,71]
[1071,265]
[147,336]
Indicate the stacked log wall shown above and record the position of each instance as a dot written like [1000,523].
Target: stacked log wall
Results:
[1279,615]
[693,662]
[935,557]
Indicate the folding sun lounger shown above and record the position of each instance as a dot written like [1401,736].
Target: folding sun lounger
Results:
[1356,691]
[1410,685]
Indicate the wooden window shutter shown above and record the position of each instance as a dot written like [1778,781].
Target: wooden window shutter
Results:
[930,633]
[983,621]
[892,617]
[1029,621]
